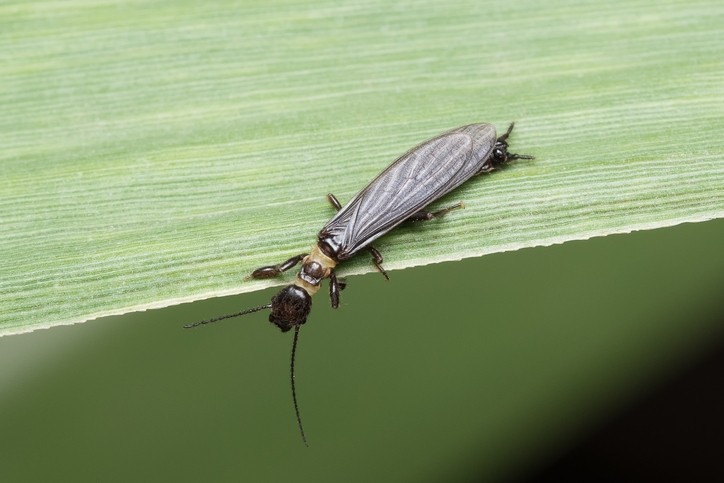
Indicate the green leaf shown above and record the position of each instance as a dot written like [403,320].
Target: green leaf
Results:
[157,152]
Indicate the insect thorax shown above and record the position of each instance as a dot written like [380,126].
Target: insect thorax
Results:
[315,267]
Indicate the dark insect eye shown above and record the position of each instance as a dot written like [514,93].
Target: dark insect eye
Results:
[499,155]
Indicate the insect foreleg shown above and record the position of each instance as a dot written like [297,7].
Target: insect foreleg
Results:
[274,270]
[335,286]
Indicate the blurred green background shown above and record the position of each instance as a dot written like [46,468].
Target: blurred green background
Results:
[450,372]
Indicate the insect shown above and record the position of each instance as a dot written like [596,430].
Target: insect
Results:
[400,193]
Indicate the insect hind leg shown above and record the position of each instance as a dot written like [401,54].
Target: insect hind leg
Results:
[377,260]
[419,216]
[431,215]
[334,201]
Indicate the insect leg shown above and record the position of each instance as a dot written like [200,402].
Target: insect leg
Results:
[377,260]
[376,256]
[429,215]
[274,270]
[334,201]
[334,288]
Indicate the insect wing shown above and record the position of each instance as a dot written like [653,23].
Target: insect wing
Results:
[413,181]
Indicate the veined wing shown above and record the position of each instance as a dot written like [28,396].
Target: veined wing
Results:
[416,179]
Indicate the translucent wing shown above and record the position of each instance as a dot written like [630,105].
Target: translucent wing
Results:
[413,181]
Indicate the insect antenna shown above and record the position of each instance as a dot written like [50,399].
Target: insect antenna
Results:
[227,316]
[294,390]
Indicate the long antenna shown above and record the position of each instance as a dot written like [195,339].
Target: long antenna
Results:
[294,390]
[228,316]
